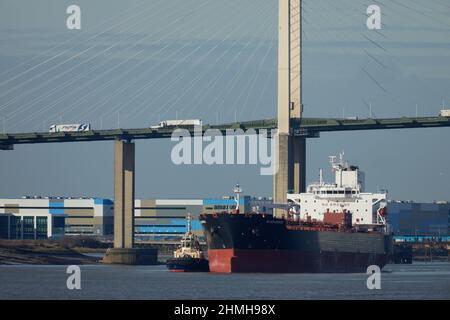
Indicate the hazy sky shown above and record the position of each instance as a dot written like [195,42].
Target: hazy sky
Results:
[134,63]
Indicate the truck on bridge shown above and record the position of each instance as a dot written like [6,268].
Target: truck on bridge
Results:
[445,113]
[178,123]
[70,127]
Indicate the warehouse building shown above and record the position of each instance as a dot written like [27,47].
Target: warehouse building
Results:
[419,221]
[39,218]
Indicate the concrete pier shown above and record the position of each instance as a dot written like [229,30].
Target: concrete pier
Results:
[299,164]
[124,251]
[124,159]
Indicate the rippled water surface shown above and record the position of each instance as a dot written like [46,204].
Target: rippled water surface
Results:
[416,281]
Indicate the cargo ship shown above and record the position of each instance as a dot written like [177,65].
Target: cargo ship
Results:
[333,227]
[189,256]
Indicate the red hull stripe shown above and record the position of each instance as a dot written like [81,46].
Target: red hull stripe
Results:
[288,261]
[220,260]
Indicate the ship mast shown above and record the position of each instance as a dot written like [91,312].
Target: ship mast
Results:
[237,197]
[189,222]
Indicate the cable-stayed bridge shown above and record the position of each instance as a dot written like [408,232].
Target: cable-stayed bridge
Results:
[292,126]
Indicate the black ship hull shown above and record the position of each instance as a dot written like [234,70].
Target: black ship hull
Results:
[187,264]
[262,243]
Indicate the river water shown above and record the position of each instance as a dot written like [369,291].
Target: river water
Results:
[428,280]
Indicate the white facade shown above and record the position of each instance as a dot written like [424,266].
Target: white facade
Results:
[28,207]
[178,202]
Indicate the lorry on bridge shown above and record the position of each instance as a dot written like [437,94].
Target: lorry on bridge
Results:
[445,113]
[70,127]
[178,123]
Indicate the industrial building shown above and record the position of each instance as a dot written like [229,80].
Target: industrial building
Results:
[411,221]
[164,219]
[45,217]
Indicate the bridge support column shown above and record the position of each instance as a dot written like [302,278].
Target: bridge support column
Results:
[124,153]
[282,180]
[291,150]
[124,177]
[299,159]
[291,175]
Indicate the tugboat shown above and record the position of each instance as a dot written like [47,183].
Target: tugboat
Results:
[189,256]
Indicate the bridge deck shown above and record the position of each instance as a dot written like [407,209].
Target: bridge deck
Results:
[309,127]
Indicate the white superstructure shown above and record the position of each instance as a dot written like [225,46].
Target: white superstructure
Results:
[346,194]
[190,246]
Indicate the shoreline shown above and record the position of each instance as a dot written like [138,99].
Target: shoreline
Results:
[35,252]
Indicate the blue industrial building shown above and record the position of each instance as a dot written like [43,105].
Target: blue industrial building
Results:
[418,222]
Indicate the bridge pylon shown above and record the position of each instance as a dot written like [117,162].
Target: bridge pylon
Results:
[291,156]
[124,251]
[124,182]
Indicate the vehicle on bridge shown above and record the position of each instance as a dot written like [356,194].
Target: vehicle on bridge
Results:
[445,113]
[178,123]
[70,127]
